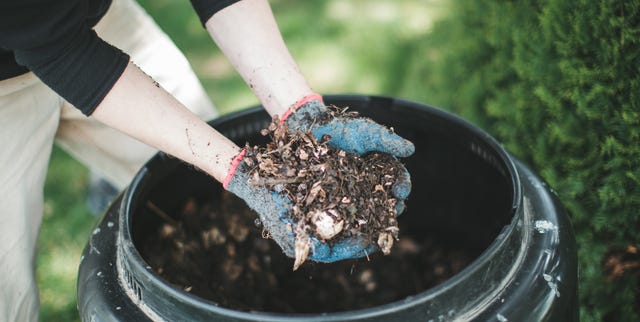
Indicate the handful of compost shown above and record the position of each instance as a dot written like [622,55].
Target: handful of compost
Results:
[318,201]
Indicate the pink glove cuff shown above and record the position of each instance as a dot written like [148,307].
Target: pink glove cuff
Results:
[234,166]
[302,101]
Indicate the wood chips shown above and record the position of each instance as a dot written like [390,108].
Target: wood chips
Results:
[335,194]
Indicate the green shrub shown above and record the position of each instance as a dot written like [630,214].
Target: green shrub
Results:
[559,83]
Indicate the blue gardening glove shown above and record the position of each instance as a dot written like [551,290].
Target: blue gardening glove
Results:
[358,135]
[272,208]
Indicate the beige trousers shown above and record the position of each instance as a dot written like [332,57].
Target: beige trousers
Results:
[32,116]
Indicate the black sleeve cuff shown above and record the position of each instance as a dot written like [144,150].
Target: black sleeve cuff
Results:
[82,72]
[207,8]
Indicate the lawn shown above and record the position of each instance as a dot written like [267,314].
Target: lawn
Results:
[341,46]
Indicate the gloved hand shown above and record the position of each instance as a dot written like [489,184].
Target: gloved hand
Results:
[356,135]
[272,208]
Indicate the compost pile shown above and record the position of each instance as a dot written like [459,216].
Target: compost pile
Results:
[336,195]
[215,247]
[214,250]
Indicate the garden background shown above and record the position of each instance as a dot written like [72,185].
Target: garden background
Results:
[558,82]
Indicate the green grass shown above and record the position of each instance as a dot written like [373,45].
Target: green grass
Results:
[355,46]
[65,228]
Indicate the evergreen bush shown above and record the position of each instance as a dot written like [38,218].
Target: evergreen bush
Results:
[558,82]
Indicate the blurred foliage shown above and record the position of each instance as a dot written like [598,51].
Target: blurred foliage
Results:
[558,82]
[355,46]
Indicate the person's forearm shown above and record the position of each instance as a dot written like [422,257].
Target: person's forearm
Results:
[248,35]
[139,107]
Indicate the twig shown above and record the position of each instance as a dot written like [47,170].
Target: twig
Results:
[160,213]
[274,181]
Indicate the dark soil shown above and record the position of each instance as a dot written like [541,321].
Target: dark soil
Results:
[215,250]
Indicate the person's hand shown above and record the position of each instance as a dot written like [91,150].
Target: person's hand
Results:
[357,135]
[272,208]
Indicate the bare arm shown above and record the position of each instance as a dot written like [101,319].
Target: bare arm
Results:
[137,106]
[248,35]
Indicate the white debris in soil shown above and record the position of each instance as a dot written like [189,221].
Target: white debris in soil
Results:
[367,279]
[501,318]
[96,231]
[326,225]
[543,226]
[385,241]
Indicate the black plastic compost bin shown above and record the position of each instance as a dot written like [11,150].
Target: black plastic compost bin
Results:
[467,191]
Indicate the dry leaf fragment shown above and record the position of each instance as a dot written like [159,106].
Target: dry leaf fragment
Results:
[167,230]
[385,241]
[273,125]
[237,230]
[313,193]
[303,155]
[213,236]
[302,245]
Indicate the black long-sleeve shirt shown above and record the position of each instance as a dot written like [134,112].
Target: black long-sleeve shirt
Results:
[54,39]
